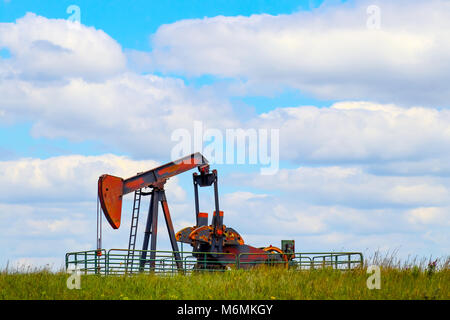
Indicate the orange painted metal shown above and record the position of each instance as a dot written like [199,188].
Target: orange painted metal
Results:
[272,249]
[176,168]
[167,215]
[202,234]
[203,214]
[183,234]
[205,233]
[232,237]
[110,191]
[135,184]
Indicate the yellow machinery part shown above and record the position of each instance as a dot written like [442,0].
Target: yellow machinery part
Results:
[272,249]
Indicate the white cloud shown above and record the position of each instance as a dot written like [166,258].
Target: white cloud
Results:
[342,208]
[240,196]
[353,187]
[429,216]
[265,221]
[57,226]
[131,112]
[295,216]
[137,113]
[30,264]
[68,178]
[434,166]
[43,230]
[328,52]
[44,48]
[88,94]
[364,132]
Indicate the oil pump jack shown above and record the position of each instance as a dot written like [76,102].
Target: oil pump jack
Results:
[220,242]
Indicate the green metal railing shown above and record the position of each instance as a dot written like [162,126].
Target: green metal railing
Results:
[335,260]
[92,261]
[306,260]
[122,261]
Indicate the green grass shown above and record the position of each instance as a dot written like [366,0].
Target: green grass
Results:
[264,283]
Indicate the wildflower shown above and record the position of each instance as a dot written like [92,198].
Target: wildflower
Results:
[431,267]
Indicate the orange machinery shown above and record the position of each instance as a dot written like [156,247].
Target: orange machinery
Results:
[216,239]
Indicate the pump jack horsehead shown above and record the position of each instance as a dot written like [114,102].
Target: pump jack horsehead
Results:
[223,244]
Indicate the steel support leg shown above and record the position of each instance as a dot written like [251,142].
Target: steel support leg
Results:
[148,228]
[173,240]
[157,195]
[151,231]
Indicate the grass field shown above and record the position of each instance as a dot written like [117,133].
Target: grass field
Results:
[397,282]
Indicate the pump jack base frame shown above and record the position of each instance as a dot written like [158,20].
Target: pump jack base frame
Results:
[151,229]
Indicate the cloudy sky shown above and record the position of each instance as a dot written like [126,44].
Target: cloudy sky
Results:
[358,91]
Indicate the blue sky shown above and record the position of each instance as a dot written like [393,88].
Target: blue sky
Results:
[357,98]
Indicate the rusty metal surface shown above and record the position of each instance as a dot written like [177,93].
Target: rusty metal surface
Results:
[110,196]
[183,235]
[202,234]
[232,237]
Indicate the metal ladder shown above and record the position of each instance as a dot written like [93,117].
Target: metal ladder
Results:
[133,229]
